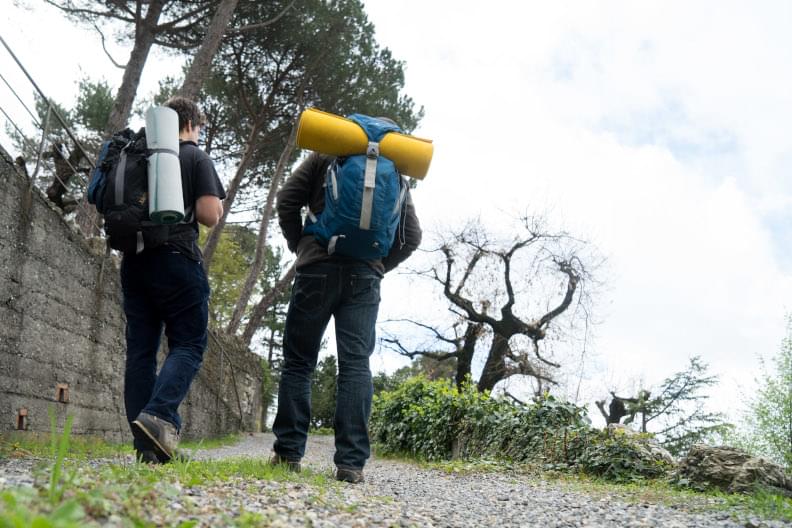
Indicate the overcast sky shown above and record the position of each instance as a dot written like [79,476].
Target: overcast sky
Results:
[656,130]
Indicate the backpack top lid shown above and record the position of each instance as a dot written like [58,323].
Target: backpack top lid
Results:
[375,128]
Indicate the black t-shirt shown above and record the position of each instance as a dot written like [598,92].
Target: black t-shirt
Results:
[199,178]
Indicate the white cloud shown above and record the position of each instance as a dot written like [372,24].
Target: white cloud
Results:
[658,130]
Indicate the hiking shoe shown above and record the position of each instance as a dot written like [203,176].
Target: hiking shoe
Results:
[291,465]
[162,434]
[353,476]
[146,456]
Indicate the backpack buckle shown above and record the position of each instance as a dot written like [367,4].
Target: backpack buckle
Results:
[372,152]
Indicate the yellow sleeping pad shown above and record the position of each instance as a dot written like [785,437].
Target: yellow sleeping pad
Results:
[338,136]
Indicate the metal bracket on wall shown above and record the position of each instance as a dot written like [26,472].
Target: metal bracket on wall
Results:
[22,424]
[62,392]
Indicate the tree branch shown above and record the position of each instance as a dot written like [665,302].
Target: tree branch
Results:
[566,268]
[266,23]
[402,350]
[104,47]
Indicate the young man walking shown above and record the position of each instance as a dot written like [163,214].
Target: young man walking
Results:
[347,289]
[165,287]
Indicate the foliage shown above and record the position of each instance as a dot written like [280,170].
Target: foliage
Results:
[136,494]
[94,102]
[229,267]
[323,393]
[58,448]
[321,54]
[678,409]
[437,421]
[767,426]
[426,366]
[620,458]
[29,443]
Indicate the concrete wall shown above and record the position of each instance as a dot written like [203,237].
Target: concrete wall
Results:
[61,325]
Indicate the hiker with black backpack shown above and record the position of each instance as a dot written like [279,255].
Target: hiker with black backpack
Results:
[360,224]
[162,276]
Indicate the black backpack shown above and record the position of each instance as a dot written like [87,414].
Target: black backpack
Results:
[119,190]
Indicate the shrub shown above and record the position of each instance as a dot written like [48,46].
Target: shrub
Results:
[621,457]
[434,420]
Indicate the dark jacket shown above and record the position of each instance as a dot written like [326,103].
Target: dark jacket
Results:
[305,187]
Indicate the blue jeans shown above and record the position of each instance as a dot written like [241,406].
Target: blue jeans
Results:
[350,292]
[162,289]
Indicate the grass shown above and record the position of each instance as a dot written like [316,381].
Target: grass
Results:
[211,443]
[140,494]
[71,492]
[39,445]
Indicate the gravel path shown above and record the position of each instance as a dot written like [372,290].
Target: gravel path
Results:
[399,494]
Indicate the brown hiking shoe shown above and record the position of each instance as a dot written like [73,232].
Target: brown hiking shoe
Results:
[146,456]
[163,434]
[291,465]
[351,475]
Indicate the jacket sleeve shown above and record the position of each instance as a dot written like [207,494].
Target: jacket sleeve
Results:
[292,197]
[408,237]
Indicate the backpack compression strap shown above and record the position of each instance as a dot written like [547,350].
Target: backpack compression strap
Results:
[119,179]
[372,153]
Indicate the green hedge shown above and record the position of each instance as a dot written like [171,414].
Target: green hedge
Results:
[432,420]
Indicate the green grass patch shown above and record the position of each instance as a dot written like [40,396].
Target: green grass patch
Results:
[39,445]
[322,431]
[210,443]
[72,490]
[140,494]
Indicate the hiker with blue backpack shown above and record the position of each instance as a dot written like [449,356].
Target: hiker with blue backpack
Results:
[360,224]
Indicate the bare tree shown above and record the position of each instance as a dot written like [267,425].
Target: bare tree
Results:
[462,344]
[491,284]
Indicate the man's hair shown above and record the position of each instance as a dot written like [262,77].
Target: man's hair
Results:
[188,112]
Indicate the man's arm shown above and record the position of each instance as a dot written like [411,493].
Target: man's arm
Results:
[295,194]
[410,229]
[208,210]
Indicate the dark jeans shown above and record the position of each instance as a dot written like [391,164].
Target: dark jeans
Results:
[162,288]
[350,292]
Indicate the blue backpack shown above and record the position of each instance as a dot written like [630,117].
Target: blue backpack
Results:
[364,197]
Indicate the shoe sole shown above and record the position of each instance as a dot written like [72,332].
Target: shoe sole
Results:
[161,451]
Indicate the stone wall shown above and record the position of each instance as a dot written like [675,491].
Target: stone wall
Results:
[62,332]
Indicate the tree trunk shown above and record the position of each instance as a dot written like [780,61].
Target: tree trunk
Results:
[465,356]
[261,245]
[202,61]
[144,39]
[495,367]
[265,303]
[214,235]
